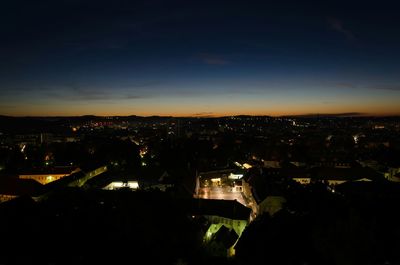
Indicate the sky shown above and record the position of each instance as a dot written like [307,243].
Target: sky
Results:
[199,58]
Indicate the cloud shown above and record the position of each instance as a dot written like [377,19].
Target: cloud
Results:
[212,59]
[129,96]
[387,87]
[92,92]
[78,93]
[346,85]
[337,25]
[378,87]
[203,114]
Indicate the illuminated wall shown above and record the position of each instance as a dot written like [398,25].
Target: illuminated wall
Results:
[217,222]
[393,174]
[237,225]
[303,181]
[89,175]
[6,197]
[133,185]
[43,178]
[246,188]
[335,182]
[330,182]
[272,164]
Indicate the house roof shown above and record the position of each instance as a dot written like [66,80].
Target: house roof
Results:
[226,236]
[21,203]
[328,173]
[106,178]
[381,188]
[270,181]
[61,183]
[224,208]
[91,167]
[48,171]
[19,187]
[318,173]
[218,173]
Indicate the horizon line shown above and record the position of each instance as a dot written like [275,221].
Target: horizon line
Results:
[345,114]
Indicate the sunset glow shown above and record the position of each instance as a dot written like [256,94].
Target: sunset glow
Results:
[199,59]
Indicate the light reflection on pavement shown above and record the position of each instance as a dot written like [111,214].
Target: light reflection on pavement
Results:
[221,193]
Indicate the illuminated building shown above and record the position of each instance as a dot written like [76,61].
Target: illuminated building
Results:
[220,185]
[50,175]
[336,176]
[76,179]
[14,188]
[115,185]
[87,172]
[272,164]
[227,215]
[392,173]
[264,188]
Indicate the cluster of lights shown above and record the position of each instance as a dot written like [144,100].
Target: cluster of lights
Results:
[244,165]
[143,152]
[235,176]
[134,185]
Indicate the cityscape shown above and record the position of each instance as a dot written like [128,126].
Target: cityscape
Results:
[199,132]
[200,190]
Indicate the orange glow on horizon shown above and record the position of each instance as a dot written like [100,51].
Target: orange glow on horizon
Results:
[211,115]
[202,109]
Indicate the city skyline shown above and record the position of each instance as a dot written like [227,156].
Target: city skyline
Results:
[199,59]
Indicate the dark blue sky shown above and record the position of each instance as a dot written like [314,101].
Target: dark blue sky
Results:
[70,57]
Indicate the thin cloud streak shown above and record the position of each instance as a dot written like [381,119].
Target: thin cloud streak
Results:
[211,59]
[387,87]
[377,87]
[203,114]
[347,85]
[337,25]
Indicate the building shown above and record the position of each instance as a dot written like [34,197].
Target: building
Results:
[13,188]
[262,188]
[156,179]
[116,185]
[89,172]
[335,176]
[265,188]
[47,175]
[230,216]
[220,185]
[76,179]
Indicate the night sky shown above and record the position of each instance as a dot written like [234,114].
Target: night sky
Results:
[199,58]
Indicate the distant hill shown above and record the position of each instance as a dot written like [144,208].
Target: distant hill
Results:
[316,115]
